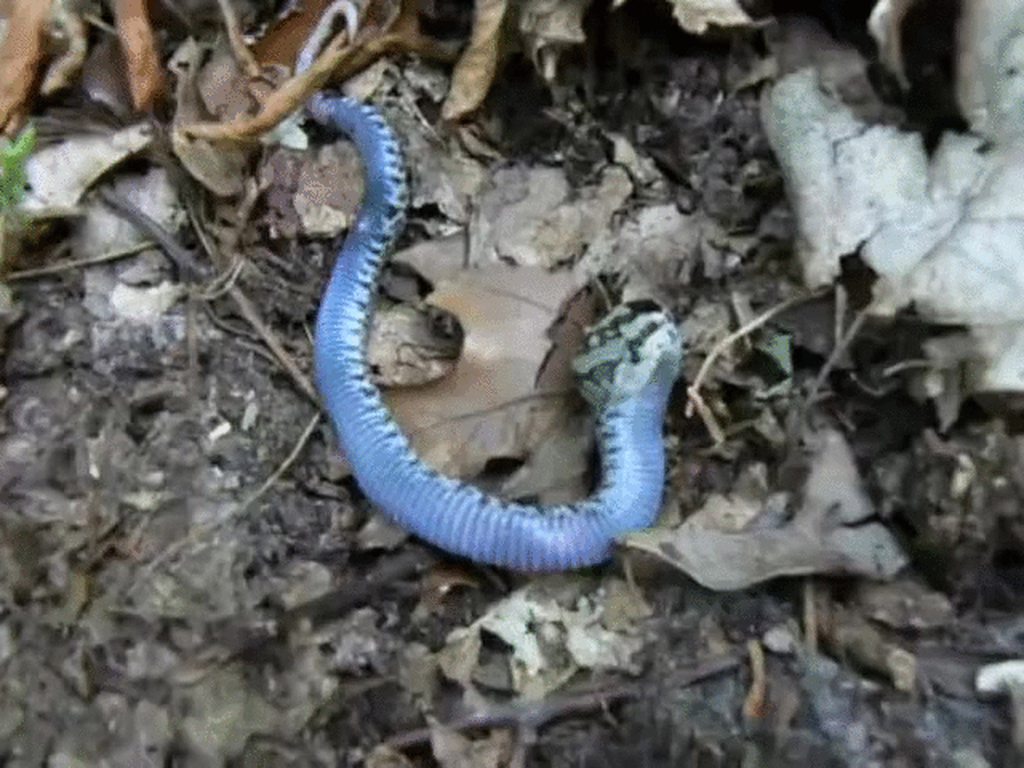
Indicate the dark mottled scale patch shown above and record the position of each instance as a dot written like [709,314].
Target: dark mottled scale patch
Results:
[635,343]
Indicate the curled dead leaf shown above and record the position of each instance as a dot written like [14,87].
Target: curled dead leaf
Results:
[474,71]
[826,535]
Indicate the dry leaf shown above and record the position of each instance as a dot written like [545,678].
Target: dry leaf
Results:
[141,53]
[224,89]
[474,71]
[489,407]
[656,250]
[103,79]
[827,534]
[942,229]
[21,56]
[383,756]
[905,604]
[60,174]
[852,636]
[101,230]
[554,627]
[531,216]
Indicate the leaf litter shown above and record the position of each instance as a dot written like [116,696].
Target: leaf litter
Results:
[144,602]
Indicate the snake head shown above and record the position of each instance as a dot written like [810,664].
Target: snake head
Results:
[636,344]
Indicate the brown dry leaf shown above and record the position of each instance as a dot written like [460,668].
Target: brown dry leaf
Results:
[474,71]
[103,80]
[490,406]
[141,54]
[21,56]
[383,756]
[224,89]
[851,635]
[826,535]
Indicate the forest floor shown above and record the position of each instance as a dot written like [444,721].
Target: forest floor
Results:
[189,575]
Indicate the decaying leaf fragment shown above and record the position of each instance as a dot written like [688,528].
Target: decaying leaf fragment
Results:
[826,535]
[532,216]
[554,627]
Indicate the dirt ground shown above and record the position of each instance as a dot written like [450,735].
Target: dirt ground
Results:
[189,576]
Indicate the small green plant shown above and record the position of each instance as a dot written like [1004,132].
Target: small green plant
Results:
[13,180]
[13,157]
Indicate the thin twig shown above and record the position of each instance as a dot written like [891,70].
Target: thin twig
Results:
[291,95]
[283,466]
[810,612]
[237,40]
[56,269]
[252,315]
[338,61]
[755,702]
[535,714]
[187,264]
[126,209]
[322,31]
[837,352]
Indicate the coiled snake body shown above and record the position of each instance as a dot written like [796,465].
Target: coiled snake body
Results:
[626,371]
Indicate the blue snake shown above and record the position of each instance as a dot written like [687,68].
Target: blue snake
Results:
[626,371]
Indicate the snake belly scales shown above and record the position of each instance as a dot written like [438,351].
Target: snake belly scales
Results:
[626,370]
